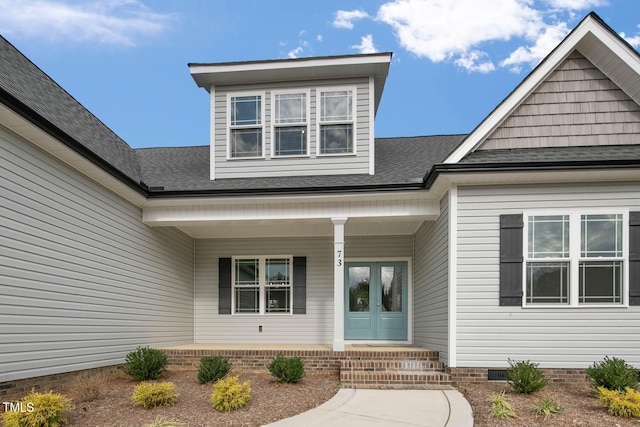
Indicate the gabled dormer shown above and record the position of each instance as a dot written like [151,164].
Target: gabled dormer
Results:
[293,117]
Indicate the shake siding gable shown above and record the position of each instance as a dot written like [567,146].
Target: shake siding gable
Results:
[489,334]
[294,166]
[577,105]
[83,281]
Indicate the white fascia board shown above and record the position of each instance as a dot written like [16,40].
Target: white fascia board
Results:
[284,199]
[27,131]
[533,177]
[588,26]
[299,66]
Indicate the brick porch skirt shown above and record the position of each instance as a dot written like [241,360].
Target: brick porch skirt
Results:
[316,362]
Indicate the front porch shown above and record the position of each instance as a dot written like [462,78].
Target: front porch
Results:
[358,366]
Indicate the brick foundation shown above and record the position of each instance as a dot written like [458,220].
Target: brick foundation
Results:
[315,361]
[554,375]
[14,390]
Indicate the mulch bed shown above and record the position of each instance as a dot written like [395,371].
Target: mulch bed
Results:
[270,401]
[582,408]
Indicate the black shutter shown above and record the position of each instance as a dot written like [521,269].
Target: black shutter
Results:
[634,258]
[511,259]
[299,285]
[224,286]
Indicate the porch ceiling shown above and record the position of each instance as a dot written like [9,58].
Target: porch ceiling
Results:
[379,226]
[296,216]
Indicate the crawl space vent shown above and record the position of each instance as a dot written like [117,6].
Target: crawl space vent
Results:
[497,375]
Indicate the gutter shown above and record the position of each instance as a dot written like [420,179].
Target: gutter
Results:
[26,112]
[162,194]
[574,165]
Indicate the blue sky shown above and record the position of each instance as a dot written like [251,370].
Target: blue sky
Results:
[453,60]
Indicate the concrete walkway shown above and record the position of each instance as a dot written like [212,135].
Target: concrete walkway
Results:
[387,408]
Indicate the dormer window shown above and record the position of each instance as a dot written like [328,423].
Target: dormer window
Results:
[336,121]
[245,126]
[290,124]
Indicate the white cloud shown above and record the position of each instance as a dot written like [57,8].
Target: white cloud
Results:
[633,41]
[463,32]
[117,22]
[471,62]
[295,52]
[345,18]
[366,45]
[575,4]
[440,30]
[544,43]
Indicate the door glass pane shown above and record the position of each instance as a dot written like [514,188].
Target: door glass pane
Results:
[359,278]
[391,288]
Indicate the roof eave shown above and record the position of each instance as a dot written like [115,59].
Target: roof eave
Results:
[161,194]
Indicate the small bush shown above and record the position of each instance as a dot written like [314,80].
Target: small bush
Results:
[150,395]
[38,410]
[87,387]
[145,363]
[621,403]
[612,374]
[229,395]
[163,422]
[287,370]
[213,368]
[547,407]
[501,407]
[525,377]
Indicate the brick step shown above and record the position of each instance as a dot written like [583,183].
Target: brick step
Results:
[392,365]
[396,380]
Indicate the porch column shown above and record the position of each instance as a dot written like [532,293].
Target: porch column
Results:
[338,283]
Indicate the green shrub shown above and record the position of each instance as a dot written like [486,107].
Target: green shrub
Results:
[547,407]
[163,422]
[612,374]
[525,377]
[621,403]
[38,410]
[213,368]
[229,395]
[145,363]
[501,407]
[150,395]
[287,369]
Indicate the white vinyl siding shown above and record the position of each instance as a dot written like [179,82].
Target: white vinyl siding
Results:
[314,327]
[431,300]
[488,334]
[312,164]
[82,280]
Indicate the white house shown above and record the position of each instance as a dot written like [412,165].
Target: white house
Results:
[296,226]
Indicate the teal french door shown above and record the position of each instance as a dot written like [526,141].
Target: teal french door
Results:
[375,301]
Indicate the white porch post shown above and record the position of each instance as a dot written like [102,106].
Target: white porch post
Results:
[338,283]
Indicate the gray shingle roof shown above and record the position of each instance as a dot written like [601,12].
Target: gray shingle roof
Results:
[399,161]
[599,153]
[23,80]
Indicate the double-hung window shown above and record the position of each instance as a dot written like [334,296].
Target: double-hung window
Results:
[290,124]
[575,259]
[336,121]
[262,285]
[245,126]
